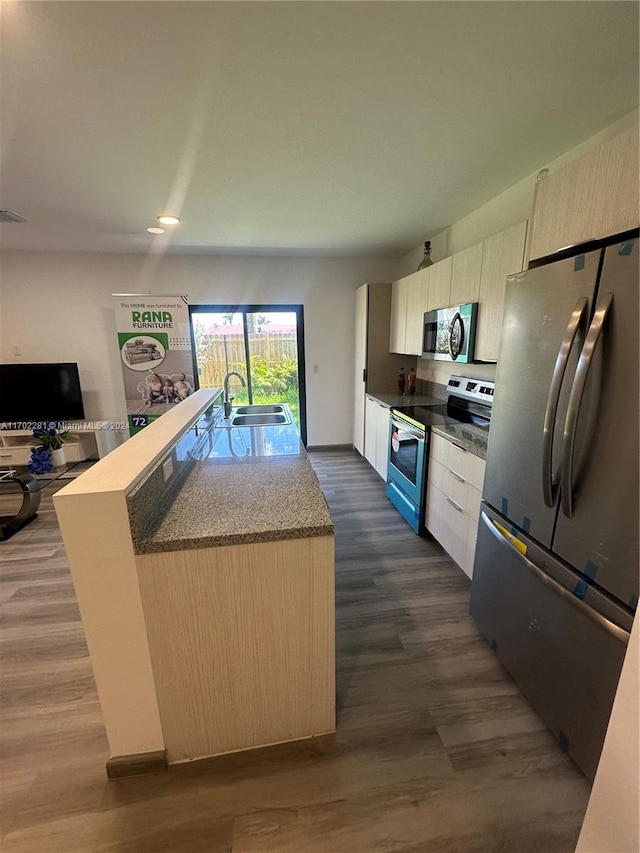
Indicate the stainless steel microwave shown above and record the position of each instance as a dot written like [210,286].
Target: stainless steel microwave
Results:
[450,333]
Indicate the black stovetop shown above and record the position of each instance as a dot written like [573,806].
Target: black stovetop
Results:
[447,413]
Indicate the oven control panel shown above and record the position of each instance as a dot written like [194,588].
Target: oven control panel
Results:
[477,390]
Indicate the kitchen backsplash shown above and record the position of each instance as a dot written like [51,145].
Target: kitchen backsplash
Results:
[431,389]
[439,372]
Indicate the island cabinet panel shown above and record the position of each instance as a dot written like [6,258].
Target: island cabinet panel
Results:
[503,254]
[242,643]
[465,275]
[590,198]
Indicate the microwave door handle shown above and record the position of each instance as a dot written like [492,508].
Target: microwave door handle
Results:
[549,486]
[575,400]
[452,326]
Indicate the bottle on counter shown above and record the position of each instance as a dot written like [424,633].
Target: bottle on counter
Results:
[411,381]
[401,381]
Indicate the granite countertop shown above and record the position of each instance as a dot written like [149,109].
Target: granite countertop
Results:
[250,485]
[469,437]
[397,400]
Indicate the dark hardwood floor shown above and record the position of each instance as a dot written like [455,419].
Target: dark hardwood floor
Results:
[436,749]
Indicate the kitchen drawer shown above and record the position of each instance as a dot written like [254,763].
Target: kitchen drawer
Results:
[462,462]
[14,456]
[452,528]
[453,486]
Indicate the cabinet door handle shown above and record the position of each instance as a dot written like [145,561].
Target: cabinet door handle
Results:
[454,505]
[459,446]
[457,477]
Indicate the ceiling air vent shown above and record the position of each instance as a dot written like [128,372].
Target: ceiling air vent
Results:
[10,216]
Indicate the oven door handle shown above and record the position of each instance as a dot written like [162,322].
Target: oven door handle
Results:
[413,431]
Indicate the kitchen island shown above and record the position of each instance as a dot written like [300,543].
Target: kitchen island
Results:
[210,618]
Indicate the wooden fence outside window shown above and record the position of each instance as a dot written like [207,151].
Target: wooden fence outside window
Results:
[273,347]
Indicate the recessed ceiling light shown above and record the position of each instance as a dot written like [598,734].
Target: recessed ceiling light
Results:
[155,230]
[168,219]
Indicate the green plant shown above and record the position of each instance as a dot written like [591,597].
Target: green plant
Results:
[52,439]
[275,378]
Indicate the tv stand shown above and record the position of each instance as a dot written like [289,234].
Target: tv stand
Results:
[94,440]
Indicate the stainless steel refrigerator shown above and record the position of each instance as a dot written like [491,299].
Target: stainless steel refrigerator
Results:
[555,582]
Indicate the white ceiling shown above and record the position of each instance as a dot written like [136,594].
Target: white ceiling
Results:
[303,127]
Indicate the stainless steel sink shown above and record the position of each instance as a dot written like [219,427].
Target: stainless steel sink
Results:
[259,410]
[258,420]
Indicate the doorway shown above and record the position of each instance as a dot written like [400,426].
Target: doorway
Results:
[263,343]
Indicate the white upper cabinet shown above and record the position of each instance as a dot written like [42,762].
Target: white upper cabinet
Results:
[590,198]
[466,269]
[398,324]
[477,274]
[439,295]
[416,306]
[503,254]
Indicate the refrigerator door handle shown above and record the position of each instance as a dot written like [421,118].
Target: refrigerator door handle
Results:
[609,626]
[549,486]
[454,353]
[575,399]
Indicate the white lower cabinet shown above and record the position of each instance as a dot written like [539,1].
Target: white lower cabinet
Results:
[376,435]
[454,493]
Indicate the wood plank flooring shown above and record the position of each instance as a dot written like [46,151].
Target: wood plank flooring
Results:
[436,749]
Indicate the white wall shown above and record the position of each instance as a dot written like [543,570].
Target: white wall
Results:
[58,307]
[507,209]
[513,205]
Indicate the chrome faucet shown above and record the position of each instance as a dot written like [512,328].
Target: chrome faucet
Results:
[228,399]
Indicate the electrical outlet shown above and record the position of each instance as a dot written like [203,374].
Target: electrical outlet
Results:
[167,468]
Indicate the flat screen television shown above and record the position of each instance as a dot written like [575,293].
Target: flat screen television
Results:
[39,393]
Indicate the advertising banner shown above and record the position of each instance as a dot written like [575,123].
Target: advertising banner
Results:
[155,351]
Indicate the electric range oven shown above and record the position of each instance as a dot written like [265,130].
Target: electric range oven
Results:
[468,402]
[407,468]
